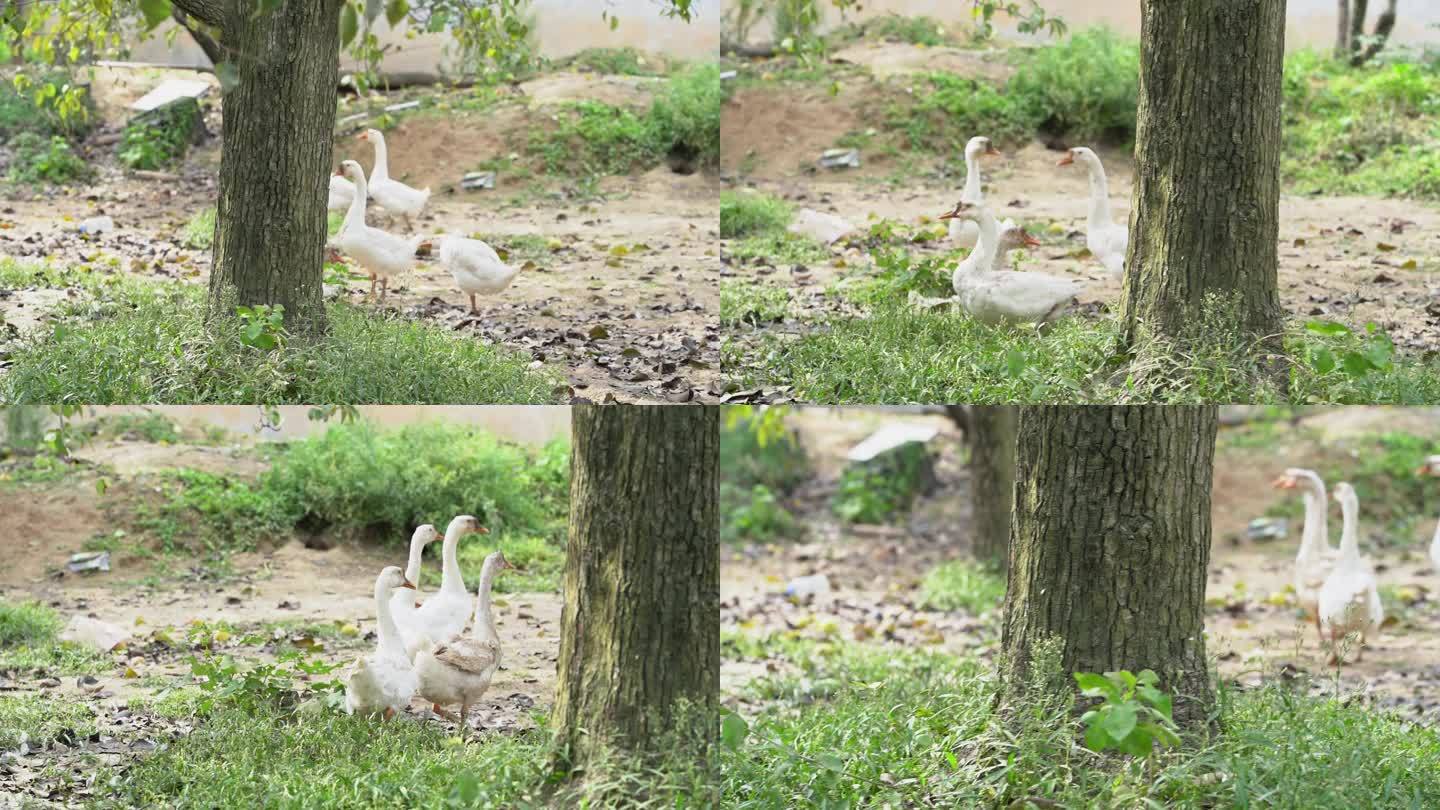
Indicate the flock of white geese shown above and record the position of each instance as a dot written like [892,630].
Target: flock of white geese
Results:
[985,286]
[442,649]
[1337,587]
[475,266]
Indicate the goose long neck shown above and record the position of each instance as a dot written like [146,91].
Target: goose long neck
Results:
[382,159]
[989,241]
[972,193]
[389,632]
[412,565]
[451,580]
[1099,196]
[356,215]
[1316,534]
[1350,532]
[484,614]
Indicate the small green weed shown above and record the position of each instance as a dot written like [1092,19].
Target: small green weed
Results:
[200,230]
[1133,715]
[757,516]
[39,721]
[754,304]
[874,491]
[962,585]
[751,214]
[51,160]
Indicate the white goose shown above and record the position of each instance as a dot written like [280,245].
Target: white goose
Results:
[1316,557]
[1012,238]
[1105,239]
[1004,296]
[342,193]
[404,604]
[1350,597]
[1432,467]
[384,681]
[459,669]
[443,615]
[476,267]
[963,231]
[394,196]
[382,254]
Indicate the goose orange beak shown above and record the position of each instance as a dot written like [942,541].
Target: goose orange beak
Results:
[1029,240]
[481,530]
[993,152]
[408,584]
[1283,482]
[364,136]
[1067,160]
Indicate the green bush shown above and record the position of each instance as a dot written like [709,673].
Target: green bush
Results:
[757,516]
[944,111]
[874,491]
[38,107]
[752,214]
[27,623]
[41,159]
[611,61]
[161,137]
[1086,86]
[685,117]
[749,457]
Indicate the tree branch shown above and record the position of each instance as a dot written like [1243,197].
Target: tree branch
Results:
[210,12]
[207,43]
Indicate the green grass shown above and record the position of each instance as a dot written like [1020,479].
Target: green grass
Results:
[200,230]
[161,137]
[755,516]
[29,643]
[897,355]
[40,720]
[750,303]
[263,756]
[591,138]
[123,340]
[46,159]
[776,248]
[917,30]
[898,728]
[962,585]
[745,214]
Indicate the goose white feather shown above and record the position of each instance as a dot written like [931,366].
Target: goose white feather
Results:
[963,231]
[459,669]
[342,193]
[1106,240]
[475,266]
[384,681]
[1316,557]
[382,254]
[403,605]
[1350,598]
[392,195]
[1432,467]
[1004,296]
[444,614]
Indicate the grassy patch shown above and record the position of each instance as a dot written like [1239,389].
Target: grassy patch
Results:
[750,303]
[917,30]
[40,720]
[756,516]
[29,643]
[200,230]
[777,247]
[130,341]
[46,159]
[612,62]
[593,138]
[898,728]
[898,355]
[962,585]
[757,471]
[752,214]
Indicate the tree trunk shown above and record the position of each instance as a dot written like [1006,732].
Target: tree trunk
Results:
[1110,546]
[275,166]
[1359,12]
[640,630]
[197,31]
[1384,25]
[1342,30]
[992,479]
[1206,207]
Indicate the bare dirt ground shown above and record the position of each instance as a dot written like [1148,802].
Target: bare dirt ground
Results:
[282,594]
[637,327]
[1252,632]
[1349,259]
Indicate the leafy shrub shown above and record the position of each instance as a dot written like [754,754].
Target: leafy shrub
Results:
[749,455]
[873,491]
[611,61]
[209,513]
[1133,715]
[41,159]
[1086,86]
[756,516]
[356,476]
[161,137]
[46,104]
[751,214]
[150,427]
[685,117]
[945,110]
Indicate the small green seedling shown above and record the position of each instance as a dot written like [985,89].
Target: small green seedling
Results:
[1133,716]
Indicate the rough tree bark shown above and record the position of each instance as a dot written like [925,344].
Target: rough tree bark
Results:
[1110,545]
[1342,30]
[277,155]
[640,630]
[1205,216]
[992,478]
[1353,42]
